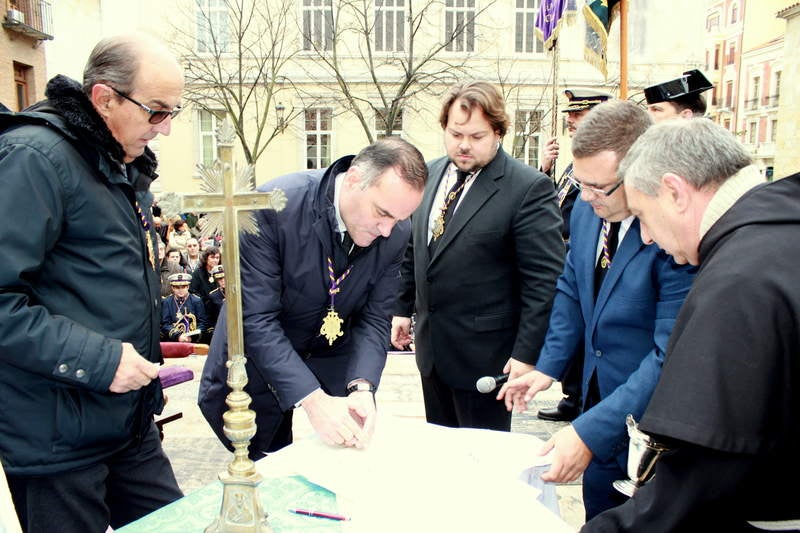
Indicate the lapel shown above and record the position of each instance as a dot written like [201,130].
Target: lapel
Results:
[626,251]
[480,191]
[325,216]
[423,214]
[589,258]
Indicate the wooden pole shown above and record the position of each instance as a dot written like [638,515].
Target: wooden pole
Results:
[554,99]
[623,49]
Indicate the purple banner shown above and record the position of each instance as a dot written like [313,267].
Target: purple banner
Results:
[549,17]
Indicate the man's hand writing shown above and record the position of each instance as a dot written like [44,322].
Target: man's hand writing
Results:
[331,418]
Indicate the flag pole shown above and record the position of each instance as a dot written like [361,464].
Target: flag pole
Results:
[554,97]
[554,102]
[623,49]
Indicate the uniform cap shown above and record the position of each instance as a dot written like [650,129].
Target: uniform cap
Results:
[181,278]
[580,99]
[218,271]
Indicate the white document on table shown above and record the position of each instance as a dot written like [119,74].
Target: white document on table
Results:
[416,476]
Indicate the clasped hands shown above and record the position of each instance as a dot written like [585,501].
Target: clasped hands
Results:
[348,421]
[571,456]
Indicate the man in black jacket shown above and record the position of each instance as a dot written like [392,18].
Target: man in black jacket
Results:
[79,294]
[481,269]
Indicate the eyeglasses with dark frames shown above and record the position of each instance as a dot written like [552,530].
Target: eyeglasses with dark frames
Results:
[594,190]
[156,116]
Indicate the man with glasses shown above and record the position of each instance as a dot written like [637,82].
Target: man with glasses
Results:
[727,405]
[616,295]
[581,101]
[80,293]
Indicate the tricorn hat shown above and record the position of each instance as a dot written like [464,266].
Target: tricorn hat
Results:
[692,82]
[580,99]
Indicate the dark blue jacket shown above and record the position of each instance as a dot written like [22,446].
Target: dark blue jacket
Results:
[624,331]
[169,315]
[285,297]
[75,282]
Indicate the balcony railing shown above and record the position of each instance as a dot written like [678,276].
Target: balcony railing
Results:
[772,100]
[751,104]
[33,18]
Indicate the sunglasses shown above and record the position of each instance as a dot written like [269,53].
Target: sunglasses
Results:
[156,116]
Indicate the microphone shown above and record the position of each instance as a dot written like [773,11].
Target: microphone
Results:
[487,384]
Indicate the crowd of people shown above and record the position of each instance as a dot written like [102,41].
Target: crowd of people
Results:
[654,272]
[196,269]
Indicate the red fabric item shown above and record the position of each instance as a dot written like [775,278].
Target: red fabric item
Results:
[176,349]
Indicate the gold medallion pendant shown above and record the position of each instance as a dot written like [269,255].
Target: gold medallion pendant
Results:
[438,227]
[331,326]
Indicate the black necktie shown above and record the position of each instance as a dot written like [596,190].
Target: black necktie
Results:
[455,191]
[610,237]
[348,244]
[450,202]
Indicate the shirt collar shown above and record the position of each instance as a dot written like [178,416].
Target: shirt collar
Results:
[337,194]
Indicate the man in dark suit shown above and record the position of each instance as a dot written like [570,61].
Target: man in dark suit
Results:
[318,284]
[580,102]
[481,269]
[620,300]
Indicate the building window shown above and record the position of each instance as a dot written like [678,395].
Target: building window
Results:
[734,13]
[459,25]
[729,94]
[731,53]
[317,24]
[207,123]
[318,137]
[776,91]
[390,25]
[712,23]
[756,93]
[752,132]
[714,95]
[22,78]
[527,134]
[716,57]
[525,38]
[380,124]
[212,26]
[773,130]
[728,124]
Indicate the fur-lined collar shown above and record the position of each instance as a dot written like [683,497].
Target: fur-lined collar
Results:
[66,98]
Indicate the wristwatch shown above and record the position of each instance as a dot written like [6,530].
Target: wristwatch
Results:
[361,386]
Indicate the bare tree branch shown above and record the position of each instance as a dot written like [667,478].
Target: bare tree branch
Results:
[235,61]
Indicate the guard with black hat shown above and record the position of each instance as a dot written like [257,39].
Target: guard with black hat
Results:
[580,102]
[681,97]
[183,316]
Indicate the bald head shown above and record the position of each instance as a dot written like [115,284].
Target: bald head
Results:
[134,83]
[117,61]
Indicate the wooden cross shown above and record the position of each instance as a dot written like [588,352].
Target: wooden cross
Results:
[241,506]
